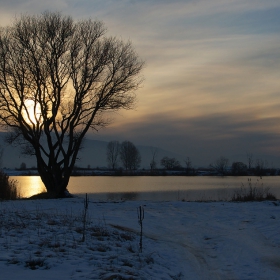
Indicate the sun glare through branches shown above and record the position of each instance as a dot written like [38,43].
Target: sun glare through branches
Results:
[32,112]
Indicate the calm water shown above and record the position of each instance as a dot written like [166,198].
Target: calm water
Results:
[152,188]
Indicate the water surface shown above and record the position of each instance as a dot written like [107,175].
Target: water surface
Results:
[152,188]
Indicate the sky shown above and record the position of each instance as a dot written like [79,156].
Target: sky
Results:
[211,78]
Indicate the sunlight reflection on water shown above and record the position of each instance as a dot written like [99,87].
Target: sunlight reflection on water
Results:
[29,185]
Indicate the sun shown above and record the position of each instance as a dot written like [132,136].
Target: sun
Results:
[32,112]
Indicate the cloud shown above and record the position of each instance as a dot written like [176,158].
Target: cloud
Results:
[212,70]
[12,8]
[203,138]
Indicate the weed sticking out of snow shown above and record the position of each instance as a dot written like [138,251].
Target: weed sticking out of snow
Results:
[253,192]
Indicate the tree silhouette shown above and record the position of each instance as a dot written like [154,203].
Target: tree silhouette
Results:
[58,78]
[129,155]
[153,163]
[170,163]
[221,165]
[113,149]
[239,168]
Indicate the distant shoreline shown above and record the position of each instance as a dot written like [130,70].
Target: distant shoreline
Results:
[141,172]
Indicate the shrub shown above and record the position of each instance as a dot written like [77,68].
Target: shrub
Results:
[35,263]
[254,192]
[8,188]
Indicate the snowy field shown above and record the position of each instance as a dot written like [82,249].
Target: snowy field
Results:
[42,239]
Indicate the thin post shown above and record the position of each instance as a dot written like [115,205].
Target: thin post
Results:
[140,212]
[85,216]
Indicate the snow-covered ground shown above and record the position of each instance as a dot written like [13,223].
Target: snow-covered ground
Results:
[42,239]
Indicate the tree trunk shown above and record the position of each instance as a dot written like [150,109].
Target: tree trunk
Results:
[54,179]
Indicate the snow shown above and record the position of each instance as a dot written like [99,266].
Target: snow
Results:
[42,239]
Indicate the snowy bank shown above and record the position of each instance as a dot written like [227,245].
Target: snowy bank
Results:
[42,239]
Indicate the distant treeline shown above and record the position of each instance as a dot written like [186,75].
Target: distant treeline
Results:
[123,159]
[174,172]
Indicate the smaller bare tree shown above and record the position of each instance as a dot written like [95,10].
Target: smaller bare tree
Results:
[189,167]
[153,163]
[250,160]
[129,155]
[170,163]
[113,150]
[260,167]
[221,165]
[23,166]
[239,168]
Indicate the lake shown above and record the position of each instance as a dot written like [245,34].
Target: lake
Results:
[159,188]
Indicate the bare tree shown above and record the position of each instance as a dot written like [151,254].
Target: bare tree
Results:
[170,163]
[250,160]
[130,156]
[189,168]
[58,78]
[260,167]
[113,150]
[23,166]
[239,168]
[153,163]
[221,165]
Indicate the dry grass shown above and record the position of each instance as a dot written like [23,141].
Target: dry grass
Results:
[253,192]
[8,188]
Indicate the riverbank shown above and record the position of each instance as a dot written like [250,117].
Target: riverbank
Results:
[42,239]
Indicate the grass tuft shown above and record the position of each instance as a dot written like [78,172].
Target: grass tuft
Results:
[35,263]
[253,192]
[8,188]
